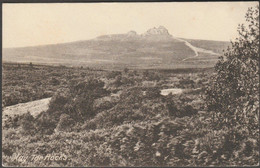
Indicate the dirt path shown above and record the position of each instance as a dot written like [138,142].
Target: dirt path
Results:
[174,91]
[34,107]
[196,49]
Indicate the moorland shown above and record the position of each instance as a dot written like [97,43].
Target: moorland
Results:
[202,110]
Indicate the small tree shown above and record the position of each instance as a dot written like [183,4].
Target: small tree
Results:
[234,91]
[31,65]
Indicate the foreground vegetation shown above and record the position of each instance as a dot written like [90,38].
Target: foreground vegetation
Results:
[119,118]
[27,82]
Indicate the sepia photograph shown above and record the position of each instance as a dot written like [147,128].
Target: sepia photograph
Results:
[130,84]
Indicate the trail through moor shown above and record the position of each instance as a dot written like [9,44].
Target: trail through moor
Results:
[196,50]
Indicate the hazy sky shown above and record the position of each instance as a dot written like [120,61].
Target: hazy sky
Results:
[38,24]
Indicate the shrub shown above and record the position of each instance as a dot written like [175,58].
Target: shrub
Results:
[186,83]
[152,93]
[31,65]
[45,123]
[151,76]
[126,70]
[54,81]
[105,105]
[179,107]
[57,103]
[12,122]
[77,101]
[65,123]
[89,125]
[233,95]
[113,74]
[27,123]
[234,90]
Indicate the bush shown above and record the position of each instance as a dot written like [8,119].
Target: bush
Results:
[113,74]
[179,107]
[65,123]
[78,101]
[45,124]
[233,95]
[12,122]
[180,110]
[58,101]
[151,76]
[234,91]
[89,125]
[27,123]
[126,70]
[152,93]
[184,83]
[54,81]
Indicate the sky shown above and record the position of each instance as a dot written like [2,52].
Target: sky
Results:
[42,23]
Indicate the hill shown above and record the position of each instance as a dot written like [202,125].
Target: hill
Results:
[155,48]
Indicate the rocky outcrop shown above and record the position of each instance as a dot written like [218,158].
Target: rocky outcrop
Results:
[132,34]
[157,31]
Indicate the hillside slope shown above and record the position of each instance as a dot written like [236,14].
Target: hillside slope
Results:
[156,48]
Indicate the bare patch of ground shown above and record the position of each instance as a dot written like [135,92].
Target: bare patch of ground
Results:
[34,107]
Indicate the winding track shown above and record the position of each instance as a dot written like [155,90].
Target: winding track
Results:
[195,49]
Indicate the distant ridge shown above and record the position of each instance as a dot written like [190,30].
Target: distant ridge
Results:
[155,48]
